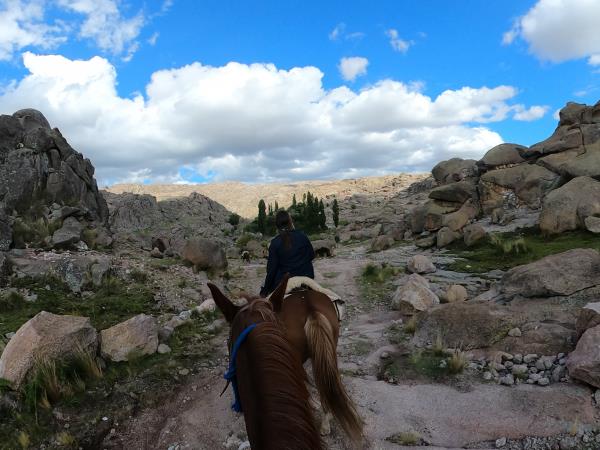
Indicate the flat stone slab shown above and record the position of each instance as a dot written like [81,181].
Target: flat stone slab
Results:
[449,418]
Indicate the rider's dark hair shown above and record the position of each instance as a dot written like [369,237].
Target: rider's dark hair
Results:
[284,224]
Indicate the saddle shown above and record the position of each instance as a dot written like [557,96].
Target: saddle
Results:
[298,283]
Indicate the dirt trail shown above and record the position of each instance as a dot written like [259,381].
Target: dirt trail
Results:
[445,416]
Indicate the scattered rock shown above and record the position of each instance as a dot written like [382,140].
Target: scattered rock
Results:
[69,234]
[382,242]
[420,264]
[136,336]
[446,236]
[46,336]
[207,306]
[473,234]
[322,247]
[584,362]
[456,293]
[592,224]
[204,254]
[589,317]
[515,332]
[163,349]
[414,295]
[156,253]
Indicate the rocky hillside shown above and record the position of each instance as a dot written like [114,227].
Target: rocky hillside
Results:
[243,198]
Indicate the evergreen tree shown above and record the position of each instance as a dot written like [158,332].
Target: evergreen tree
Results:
[270,210]
[294,201]
[276,208]
[262,216]
[322,216]
[336,212]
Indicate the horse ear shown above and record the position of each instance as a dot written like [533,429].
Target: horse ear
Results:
[226,306]
[278,294]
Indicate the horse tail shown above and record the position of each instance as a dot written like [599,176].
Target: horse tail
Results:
[334,398]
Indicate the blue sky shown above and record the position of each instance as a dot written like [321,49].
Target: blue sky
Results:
[182,90]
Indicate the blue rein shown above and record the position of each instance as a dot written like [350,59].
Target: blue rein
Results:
[230,374]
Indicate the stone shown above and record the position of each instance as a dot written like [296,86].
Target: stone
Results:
[584,362]
[530,358]
[429,216]
[520,370]
[567,207]
[502,155]
[45,337]
[156,253]
[472,234]
[420,264]
[524,184]
[445,236]
[321,247]
[414,295]
[455,169]
[500,442]
[558,373]
[456,293]
[163,349]
[137,336]
[207,306]
[204,254]
[68,235]
[426,242]
[381,243]
[507,380]
[6,231]
[543,381]
[458,192]
[560,274]
[459,219]
[480,324]
[515,332]
[592,224]
[589,317]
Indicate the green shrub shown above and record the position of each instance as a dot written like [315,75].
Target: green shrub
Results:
[89,236]
[11,301]
[379,274]
[243,240]
[139,276]
[234,219]
[509,246]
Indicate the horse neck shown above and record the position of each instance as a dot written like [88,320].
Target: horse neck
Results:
[273,393]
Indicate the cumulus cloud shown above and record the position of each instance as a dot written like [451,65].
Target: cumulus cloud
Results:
[560,30]
[22,25]
[398,44]
[252,122]
[105,25]
[353,67]
[529,114]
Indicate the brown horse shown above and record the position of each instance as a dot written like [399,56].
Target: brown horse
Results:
[268,378]
[311,327]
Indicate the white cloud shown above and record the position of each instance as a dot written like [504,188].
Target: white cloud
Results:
[152,39]
[339,32]
[529,114]
[22,25]
[253,122]
[560,30]
[105,25]
[398,44]
[353,67]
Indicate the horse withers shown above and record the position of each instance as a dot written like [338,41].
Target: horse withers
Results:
[309,322]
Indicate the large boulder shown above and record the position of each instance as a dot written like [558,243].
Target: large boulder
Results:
[414,295]
[565,137]
[204,254]
[324,247]
[561,274]
[458,219]
[567,207]
[135,337]
[69,234]
[454,169]
[381,243]
[473,234]
[589,317]
[132,212]
[446,236]
[458,192]
[521,185]
[46,337]
[584,362]
[430,215]
[459,324]
[502,155]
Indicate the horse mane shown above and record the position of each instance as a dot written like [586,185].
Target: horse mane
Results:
[279,387]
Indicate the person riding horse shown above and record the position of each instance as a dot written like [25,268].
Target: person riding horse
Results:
[290,252]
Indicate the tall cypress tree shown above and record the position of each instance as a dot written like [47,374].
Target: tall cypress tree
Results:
[262,216]
[336,212]
[322,216]
[294,201]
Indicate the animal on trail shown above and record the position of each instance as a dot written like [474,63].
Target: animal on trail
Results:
[308,323]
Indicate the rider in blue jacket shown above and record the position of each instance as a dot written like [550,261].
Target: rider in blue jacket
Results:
[289,252]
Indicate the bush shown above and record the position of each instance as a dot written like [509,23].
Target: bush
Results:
[243,240]
[139,276]
[234,219]
[457,362]
[514,246]
[378,274]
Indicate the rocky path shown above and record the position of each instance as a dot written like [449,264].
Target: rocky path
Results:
[469,413]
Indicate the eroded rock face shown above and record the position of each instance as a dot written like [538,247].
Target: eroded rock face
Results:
[502,155]
[567,207]
[48,337]
[561,274]
[48,167]
[455,169]
[584,362]
[136,336]
[458,192]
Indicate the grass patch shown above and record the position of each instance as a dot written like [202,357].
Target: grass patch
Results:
[422,364]
[458,362]
[408,438]
[373,273]
[411,325]
[139,276]
[163,263]
[114,302]
[361,348]
[506,250]
[244,239]
[396,334]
